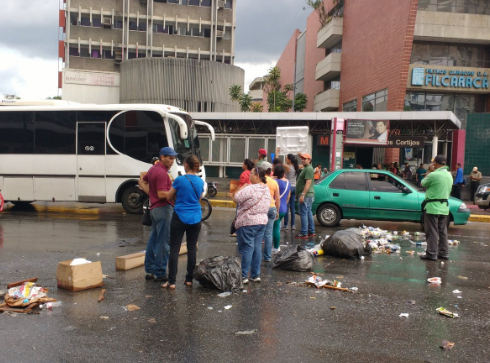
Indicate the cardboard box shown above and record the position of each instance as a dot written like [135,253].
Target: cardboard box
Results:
[142,174]
[128,262]
[80,277]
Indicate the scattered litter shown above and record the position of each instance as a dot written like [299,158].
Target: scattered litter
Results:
[354,288]
[225,294]
[453,242]
[362,257]
[220,272]
[348,243]
[148,296]
[220,311]
[447,345]
[434,280]
[245,291]
[132,307]
[152,320]
[101,296]
[228,307]
[457,292]
[318,282]
[412,302]
[23,296]
[404,315]
[411,253]
[459,297]
[293,258]
[462,277]
[246,332]
[332,308]
[210,308]
[418,243]
[103,317]
[79,261]
[312,297]
[444,311]
[107,277]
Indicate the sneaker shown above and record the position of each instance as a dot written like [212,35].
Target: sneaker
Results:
[269,260]
[233,235]
[275,250]
[311,234]
[284,227]
[149,276]
[302,236]
[161,279]
[245,281]
[293,227]
[255,279]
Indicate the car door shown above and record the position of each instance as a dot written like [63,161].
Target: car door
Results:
[350,191]
[392,199]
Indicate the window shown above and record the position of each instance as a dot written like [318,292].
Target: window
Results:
[183,30]
[228,4]
[173,1]
[55,132]
[85,20]
[336,48]
[96,53]
[207,33]
[74,52]
[333,84]
[456,6]
[16,133]
[355,181]
[338,182]
[194,2]
[96,21]
[142,25]
[117,24]
[375,101]
[206,3]
[74,19]
[386,184]
[196,33]
[132,25]
[107,54]
[350,106]
[132,55]
[84,52]
[91,138]
[451,55]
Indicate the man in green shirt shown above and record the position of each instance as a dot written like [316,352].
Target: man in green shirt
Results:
[438,184]
[305,192]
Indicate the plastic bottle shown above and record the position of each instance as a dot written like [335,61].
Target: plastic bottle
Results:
[318,253]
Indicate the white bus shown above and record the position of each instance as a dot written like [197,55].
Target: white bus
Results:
[88,153]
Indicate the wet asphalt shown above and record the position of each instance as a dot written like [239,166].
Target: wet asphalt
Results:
[287,323]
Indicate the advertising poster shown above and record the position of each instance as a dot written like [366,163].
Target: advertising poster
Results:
[370,132]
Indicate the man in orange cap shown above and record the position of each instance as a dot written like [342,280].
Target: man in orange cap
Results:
[306,195]
[262,155]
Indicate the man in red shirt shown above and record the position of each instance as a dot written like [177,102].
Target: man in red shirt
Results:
[157,183]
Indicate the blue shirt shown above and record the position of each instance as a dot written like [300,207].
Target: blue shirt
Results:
[284,189]
[459,176]
[419,172]
[187,204]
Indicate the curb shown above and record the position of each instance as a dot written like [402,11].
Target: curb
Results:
[479,218]
[222,203]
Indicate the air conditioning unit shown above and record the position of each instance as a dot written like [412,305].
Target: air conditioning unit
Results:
[118,56]
[219,34]
[107,22]
[221,4]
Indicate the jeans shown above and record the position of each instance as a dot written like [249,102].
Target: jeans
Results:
[249,240]
[276,236]
[177,230]
[307,225]
[435,226]
[158,246]
[268,233]
[291,207]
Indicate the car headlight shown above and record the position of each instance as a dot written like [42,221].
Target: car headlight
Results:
[462,206]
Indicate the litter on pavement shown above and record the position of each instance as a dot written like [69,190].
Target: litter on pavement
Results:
[24,296]
[319,283]
[434,280]
[447,345]
[444,311]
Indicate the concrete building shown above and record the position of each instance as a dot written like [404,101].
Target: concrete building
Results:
[417,55]
[178,52]
[256,89]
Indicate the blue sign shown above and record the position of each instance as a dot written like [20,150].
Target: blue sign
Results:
[449,78]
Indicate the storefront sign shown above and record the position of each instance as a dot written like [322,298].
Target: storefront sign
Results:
[323,140]
[369,132]
[406,141]
[449,78]
[91,78]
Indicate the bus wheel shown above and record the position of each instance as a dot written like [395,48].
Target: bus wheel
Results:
[131,200]
[206,209]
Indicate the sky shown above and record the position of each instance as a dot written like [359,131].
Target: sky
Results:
[29,42]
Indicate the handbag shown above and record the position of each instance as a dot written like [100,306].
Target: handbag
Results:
[146,219]
[232,226]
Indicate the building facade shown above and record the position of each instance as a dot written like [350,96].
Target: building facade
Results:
[110,49]
[420,55]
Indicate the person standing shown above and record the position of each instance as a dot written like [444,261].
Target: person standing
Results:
[284,195]
[436,206]
[157,183]
[273,213]
[407,172]
[420,174]
[247,166]
[475,177]
[318,172]
[262,156]
[325,171]
[458,182]
[305,190]
[292,164]
[187,192]
[253,205]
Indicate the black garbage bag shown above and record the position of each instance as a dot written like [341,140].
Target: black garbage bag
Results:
[294,258]
[220,272]
[347,243]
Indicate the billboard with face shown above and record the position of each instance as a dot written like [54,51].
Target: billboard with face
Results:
[369,132]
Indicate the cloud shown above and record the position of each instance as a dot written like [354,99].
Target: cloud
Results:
[253,70]
[28,78]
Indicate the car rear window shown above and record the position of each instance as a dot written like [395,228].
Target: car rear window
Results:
[349,181]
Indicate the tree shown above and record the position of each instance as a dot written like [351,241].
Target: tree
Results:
[235,92]
[245,102]
[322,11]
[54,98]
[300,102]
[272,84]
[256,107]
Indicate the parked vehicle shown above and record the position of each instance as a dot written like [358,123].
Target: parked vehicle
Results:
[212,189]
[375,195]
[482,199]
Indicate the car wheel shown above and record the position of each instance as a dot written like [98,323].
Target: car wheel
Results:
[131,200]
[328,215]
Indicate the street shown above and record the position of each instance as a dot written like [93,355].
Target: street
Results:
[284,323]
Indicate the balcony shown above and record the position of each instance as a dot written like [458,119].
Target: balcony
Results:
[328,68]
[331,33]
[452,27]
[327,101]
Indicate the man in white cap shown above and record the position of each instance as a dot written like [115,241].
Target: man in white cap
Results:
[475,177]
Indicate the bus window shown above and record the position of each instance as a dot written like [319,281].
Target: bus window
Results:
[16,133]
[181,146]
[55,132]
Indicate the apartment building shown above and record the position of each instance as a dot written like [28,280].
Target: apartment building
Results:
[178,52]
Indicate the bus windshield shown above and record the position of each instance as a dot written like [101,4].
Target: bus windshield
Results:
[185,147]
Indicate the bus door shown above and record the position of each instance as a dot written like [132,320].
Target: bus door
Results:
[91,169]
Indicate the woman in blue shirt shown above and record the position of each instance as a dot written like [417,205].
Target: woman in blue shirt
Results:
[285,194]
[187,191]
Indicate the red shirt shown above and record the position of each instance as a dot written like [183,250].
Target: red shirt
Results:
[158,179]
[244,178]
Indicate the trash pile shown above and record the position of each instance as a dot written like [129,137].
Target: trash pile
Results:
[348,243]
[319,283]
[220,272]
[293,258]
[23,296]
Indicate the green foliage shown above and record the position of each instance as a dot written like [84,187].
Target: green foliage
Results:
[54,98]
[279,101]
[235,92]
[300,102]
[245,102]
[256,107]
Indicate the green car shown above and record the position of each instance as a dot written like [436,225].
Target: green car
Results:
[376,195]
